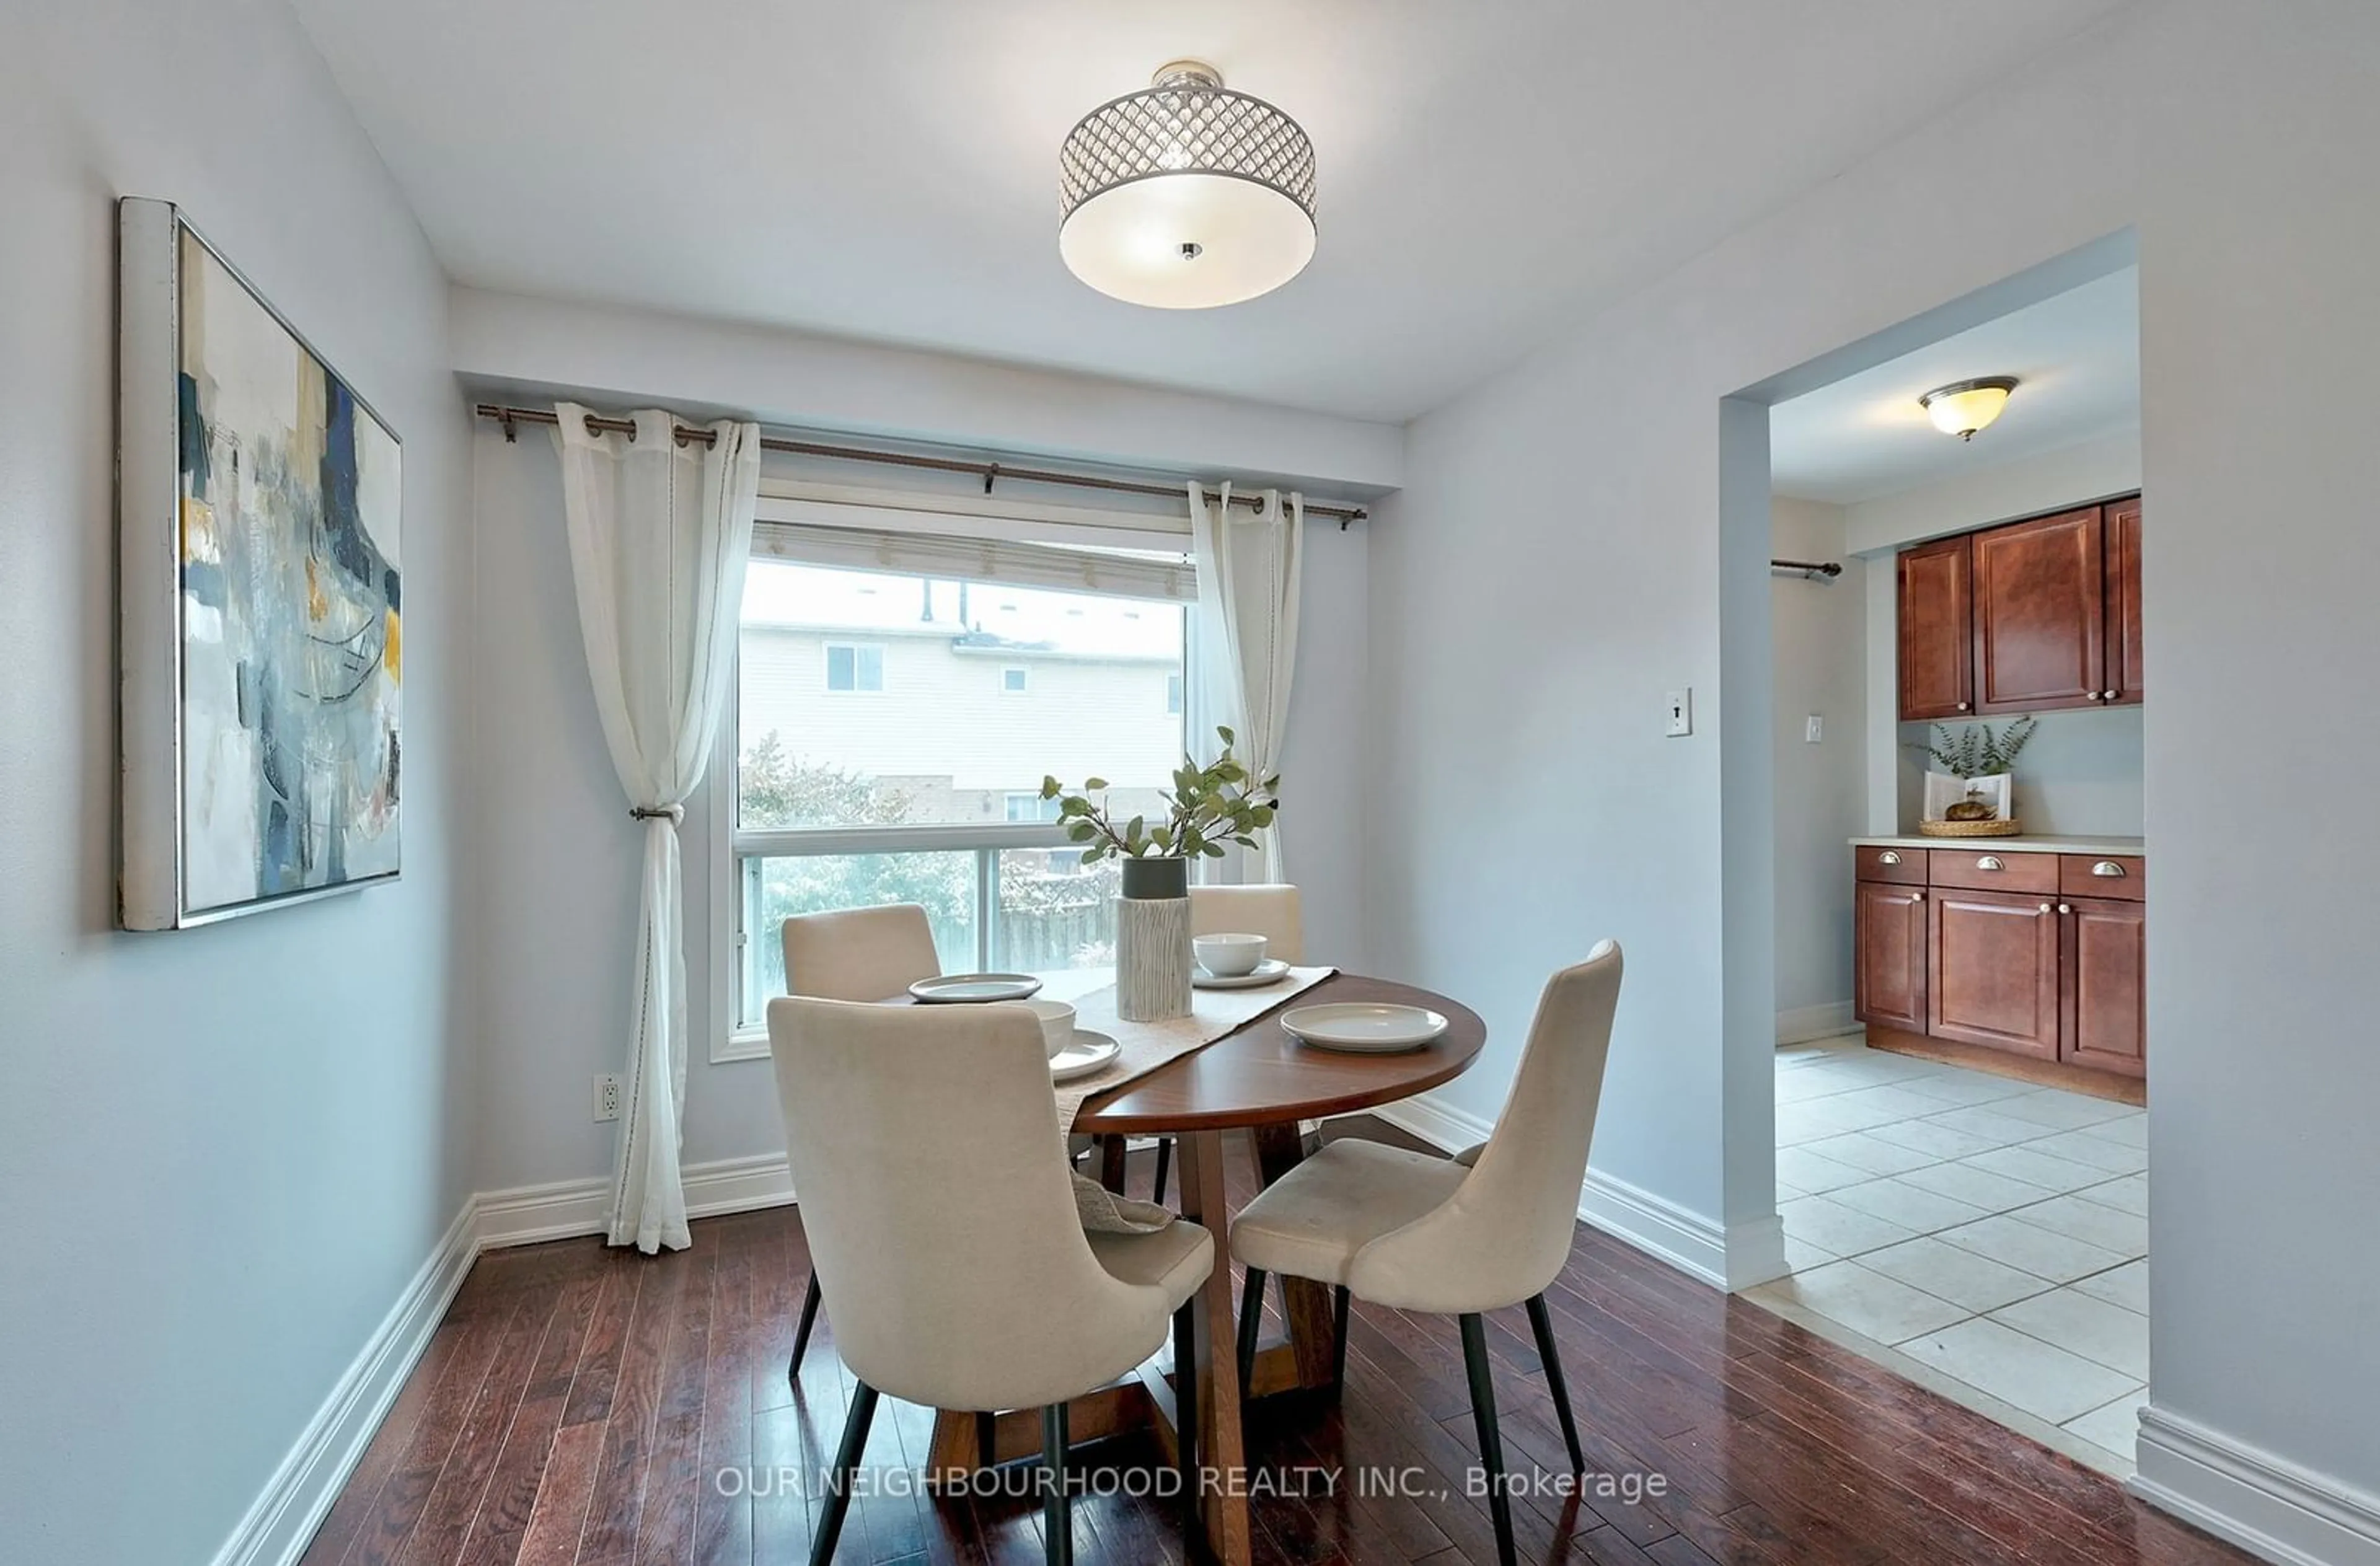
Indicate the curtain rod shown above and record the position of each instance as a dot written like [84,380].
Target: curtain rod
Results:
[986,471]
[1816,568]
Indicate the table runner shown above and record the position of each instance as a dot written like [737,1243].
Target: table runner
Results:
[1144,1046]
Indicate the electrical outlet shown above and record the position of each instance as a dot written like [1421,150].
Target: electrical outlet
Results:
[607,1098]
[1817,729]
[1680,713]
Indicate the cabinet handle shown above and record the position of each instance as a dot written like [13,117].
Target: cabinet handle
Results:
[1917,897]
[2066,907]
[2093,696]
[1963,707]
[1887,857]
[2109,868]
[2049,908]
[2110,694]
[1990,862]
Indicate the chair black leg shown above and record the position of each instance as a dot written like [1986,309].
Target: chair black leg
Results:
[846,1465]
[1164,1163]
[1339,1338]
[1251,1316]
[986,1439]
[1057,1506]
[1542,1324]
[1185,1414]
[802,1333]
[1491,1443]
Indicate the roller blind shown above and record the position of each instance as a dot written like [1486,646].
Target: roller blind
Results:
[934,544]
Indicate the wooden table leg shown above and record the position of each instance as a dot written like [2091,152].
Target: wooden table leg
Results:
[1225,1506]
[1313,1331]
[1112,1156]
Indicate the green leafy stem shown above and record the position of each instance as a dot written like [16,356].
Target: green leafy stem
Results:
[1970,754]
[1207,808]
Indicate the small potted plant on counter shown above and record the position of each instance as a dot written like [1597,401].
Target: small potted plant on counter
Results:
[1207,808]
[1973,796]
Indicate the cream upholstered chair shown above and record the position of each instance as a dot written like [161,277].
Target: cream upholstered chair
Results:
[925,1148]
[1269,910]
[1417,1233]
[854,955]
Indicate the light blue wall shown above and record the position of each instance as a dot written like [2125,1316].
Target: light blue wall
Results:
[224,1152]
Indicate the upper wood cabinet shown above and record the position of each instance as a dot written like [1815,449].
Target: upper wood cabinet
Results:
[2041,608]
[2026,617]
[1937,630]
[2123,600]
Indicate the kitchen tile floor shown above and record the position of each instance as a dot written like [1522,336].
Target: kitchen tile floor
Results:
[1988,1229]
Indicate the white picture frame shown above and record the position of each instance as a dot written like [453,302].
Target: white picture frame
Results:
[259,504]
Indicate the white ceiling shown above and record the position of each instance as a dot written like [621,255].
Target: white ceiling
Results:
[2077,360]
[887,170]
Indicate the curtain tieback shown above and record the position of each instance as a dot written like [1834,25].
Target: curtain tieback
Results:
[673,814]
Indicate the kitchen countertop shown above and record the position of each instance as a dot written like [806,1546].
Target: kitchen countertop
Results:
[2030,844]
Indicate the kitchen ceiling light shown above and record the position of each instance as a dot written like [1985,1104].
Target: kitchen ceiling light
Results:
[1184,195]
[1964,407]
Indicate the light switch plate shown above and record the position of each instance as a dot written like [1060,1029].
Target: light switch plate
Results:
[1815,729]
[1680,712]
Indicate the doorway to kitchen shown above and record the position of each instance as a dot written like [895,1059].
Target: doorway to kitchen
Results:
[1958,1118]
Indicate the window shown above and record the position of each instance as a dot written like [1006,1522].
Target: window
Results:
[1031,807]
[930,792]
[850,667]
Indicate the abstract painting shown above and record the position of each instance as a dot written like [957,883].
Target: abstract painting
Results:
[263,622]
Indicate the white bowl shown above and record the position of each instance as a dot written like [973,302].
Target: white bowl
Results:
[1228,956]
[1056,1020]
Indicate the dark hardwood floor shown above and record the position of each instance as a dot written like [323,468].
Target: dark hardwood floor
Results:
[578,1404]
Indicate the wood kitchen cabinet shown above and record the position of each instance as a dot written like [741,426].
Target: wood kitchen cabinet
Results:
[2123,543]
[1889,926]
[2029,617]
[2104,999]
[1992,970]
[2041,613]
[2024,952]
[1937,630]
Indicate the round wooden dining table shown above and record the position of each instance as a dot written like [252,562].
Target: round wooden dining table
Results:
[1257,1079]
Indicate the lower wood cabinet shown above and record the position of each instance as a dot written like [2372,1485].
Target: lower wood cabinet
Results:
[1889,922]
[2104,1004]
[2033,972]
[1993,971]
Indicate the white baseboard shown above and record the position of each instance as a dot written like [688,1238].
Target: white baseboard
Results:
[2263,1504]
[530,1215]
[1724,1258]
[282,1520]
[1802,1024]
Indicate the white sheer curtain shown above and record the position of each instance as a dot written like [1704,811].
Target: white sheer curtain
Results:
[1248,567]
[660,534]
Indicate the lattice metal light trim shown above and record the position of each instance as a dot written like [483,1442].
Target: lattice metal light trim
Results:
[1186,195]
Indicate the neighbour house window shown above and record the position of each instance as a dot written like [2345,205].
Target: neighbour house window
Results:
[930,792]
[850,667]
[1031,807]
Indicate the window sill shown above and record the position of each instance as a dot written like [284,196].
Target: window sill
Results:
[744,1044]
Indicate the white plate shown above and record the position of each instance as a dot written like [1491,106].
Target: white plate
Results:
[1090,1053]
[1272,970]
[957,988]
[1363,1027]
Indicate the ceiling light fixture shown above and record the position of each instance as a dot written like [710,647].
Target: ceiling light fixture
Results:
[1186,195]
[1964,407]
